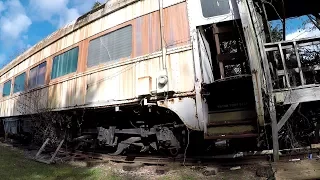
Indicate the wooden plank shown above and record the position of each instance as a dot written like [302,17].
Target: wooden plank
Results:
[42,148]
[223,29]
[313,39]
[43,161]
[56,152]
[315,146]
[299,63]
[275,47]
[284,65]
[221,66]
[315,42]
[304,69]
[299,95]
[252,41]
[288,44]
[287,115]
[255,53]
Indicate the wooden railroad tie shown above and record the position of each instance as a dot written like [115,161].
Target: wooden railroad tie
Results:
[51,160]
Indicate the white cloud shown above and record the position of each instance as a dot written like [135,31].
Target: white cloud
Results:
[69,16]
[14,21]
[46,9]
[306,32]
[59,12]
[13,26]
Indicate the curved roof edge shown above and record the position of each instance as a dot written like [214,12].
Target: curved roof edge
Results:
[101,11]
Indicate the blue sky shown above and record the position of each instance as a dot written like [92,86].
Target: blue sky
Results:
[297,28]
[23,23]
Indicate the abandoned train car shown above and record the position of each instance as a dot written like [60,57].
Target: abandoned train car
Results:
[146,72]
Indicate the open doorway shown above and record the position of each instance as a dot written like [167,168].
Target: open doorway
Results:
[228,84]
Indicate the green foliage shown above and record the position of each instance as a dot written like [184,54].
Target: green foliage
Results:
[313,19]
[276,33]
[96,5]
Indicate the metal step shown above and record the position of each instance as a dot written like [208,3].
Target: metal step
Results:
[233,117]
[231,132]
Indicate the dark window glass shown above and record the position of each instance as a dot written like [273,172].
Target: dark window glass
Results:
[212,8]
[65,63]
[19,83]
[6,89]
[37,75]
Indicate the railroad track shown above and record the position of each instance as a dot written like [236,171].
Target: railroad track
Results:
[161,160]
[238,159]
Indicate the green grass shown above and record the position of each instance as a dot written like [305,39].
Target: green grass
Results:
[13,165]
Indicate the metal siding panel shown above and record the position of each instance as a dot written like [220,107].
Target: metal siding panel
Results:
[92,87]
[176,26]
[118,17]
[122,85]
[79,94]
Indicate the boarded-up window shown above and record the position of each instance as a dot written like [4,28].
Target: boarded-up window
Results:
[19,83]
[112,46]
[212,8]
[6,89]
[37,75]
[65,63]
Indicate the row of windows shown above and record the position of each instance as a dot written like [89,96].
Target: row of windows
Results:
[107,48]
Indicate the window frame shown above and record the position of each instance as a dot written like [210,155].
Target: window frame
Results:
[104,34]
[14,82]
[10,88]
[60,53]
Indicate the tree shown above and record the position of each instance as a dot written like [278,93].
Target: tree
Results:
[315,20]
[44,121]
[96,5]
[276,34]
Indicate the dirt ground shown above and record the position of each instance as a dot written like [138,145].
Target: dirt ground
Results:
[175,171]
[304,169]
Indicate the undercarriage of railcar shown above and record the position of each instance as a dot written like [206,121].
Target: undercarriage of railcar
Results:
[136,128]
[142,127]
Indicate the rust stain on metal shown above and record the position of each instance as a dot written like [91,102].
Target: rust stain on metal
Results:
[60,38]
[117,83]
[175,20]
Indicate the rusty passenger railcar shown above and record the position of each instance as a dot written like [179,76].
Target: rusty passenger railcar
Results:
[185,60]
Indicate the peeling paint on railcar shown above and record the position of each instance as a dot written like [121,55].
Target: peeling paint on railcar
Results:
[113,83]
[123,10]
[185,108]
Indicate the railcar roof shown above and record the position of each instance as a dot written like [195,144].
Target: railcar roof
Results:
[101,11]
